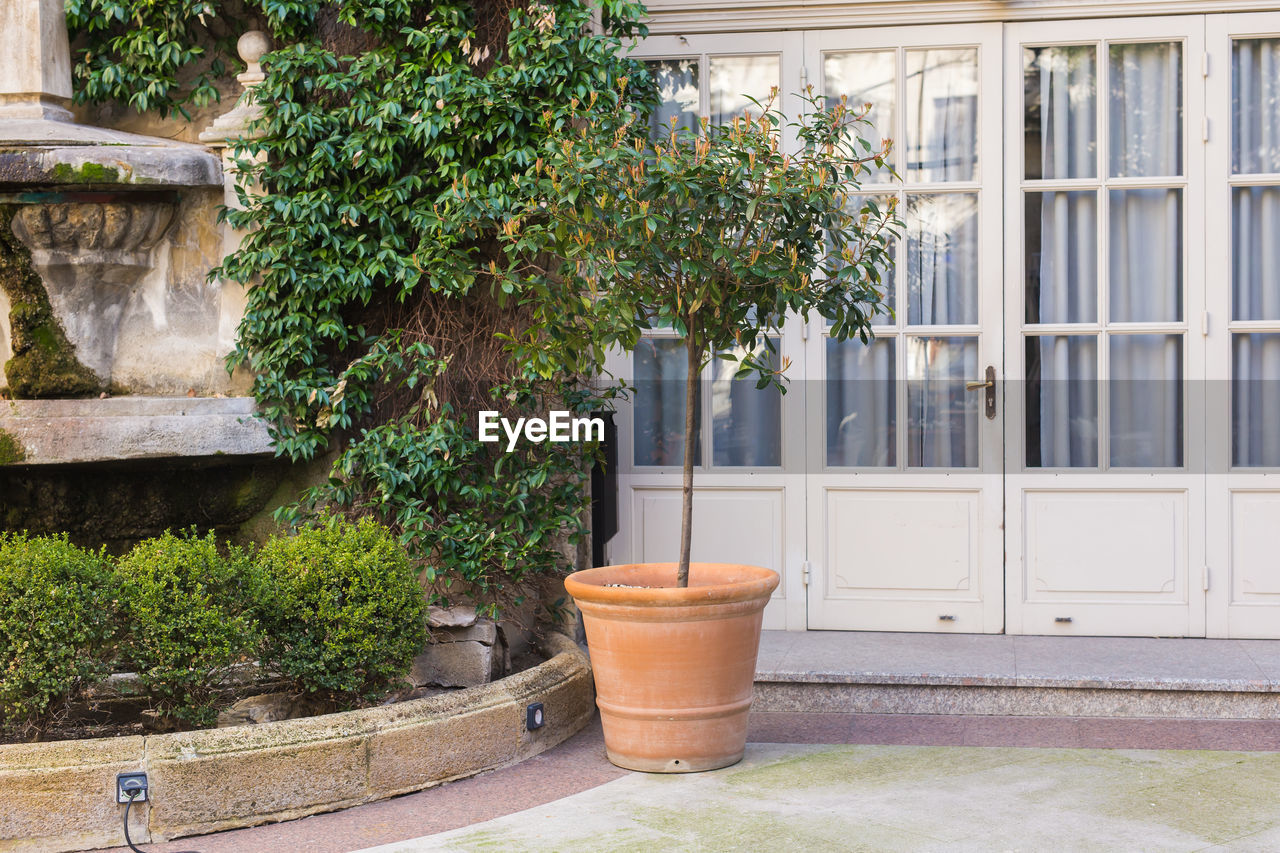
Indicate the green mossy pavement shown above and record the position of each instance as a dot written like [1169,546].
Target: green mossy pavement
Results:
[912,798]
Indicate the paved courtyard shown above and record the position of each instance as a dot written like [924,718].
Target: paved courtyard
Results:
[911,798]
[846,782]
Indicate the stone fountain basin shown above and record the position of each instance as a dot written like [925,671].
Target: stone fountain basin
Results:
[42,153]
[58,432]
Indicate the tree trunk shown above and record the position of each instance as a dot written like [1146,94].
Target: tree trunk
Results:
[694,353]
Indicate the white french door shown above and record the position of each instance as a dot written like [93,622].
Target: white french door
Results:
[1243,324]
[1092,214]
[1104,290]
[749,496]
[905,462]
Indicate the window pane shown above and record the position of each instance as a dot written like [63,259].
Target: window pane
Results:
[1146,255]
[862,414]
[1255,253]
[942,416]
[865,77]
[746,422]
[1060,110]
[677,82]
[1062,257]
[659,402]
[942,258]
[1255,399]
[1062,401]
[1255,106]
[1146,109]
[942,115]
[1146,401]
[736,79]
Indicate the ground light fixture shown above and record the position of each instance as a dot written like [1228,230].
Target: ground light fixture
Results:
[534,717]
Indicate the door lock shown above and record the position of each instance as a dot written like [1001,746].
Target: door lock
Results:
[989,402]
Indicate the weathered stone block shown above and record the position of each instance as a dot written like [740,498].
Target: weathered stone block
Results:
[484,631]
[39,780]
[268,708]
[464,664]
[419,754]
[213,780]
[451,617]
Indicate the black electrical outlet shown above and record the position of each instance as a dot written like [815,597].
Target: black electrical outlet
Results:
[131,787]
[534,717]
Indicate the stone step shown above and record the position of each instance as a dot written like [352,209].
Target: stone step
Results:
[979,674]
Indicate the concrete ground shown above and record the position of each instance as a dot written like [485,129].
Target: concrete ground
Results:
[910,798]
[877,781]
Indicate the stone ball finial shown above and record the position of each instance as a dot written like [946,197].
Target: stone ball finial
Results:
[252,46]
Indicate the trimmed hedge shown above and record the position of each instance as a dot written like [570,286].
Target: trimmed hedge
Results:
[337,609]
[341,609]
[56,629]
[186,611]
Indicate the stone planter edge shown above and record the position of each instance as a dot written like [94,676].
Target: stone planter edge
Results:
[59,796]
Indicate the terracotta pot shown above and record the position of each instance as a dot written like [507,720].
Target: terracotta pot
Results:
[674,668]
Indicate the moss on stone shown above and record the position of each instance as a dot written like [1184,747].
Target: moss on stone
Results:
[11,450]
[44,362]
[86,173]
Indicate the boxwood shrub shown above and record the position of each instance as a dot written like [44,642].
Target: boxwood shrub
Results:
[341,609]
[186,617]
[56,627]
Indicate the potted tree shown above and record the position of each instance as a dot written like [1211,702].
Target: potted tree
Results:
[720,235]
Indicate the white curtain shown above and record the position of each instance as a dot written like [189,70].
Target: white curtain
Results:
[660,365]
[746,421]
[942,114]
[942,415]
[942,290]
[861,403]
[1144,264]
[1062,256]
[1255,252]
[677,83]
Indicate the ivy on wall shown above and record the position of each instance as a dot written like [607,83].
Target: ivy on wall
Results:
[393,137]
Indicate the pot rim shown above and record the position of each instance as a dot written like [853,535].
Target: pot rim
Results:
[589,585]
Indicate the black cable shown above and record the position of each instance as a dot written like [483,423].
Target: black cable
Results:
[128,805]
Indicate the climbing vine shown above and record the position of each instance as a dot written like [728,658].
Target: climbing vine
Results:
[393,138]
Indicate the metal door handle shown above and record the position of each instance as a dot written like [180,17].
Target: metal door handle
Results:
[989,403]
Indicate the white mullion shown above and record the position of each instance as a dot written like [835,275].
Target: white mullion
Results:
[1262,179]
[1058,185]
[1102,68]
[937,187]
[704,86]
[1148,183]
[936,330]
[1253,326]
[1060,329]
[1147,328]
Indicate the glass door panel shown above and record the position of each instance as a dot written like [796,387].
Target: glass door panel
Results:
[1064,227]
